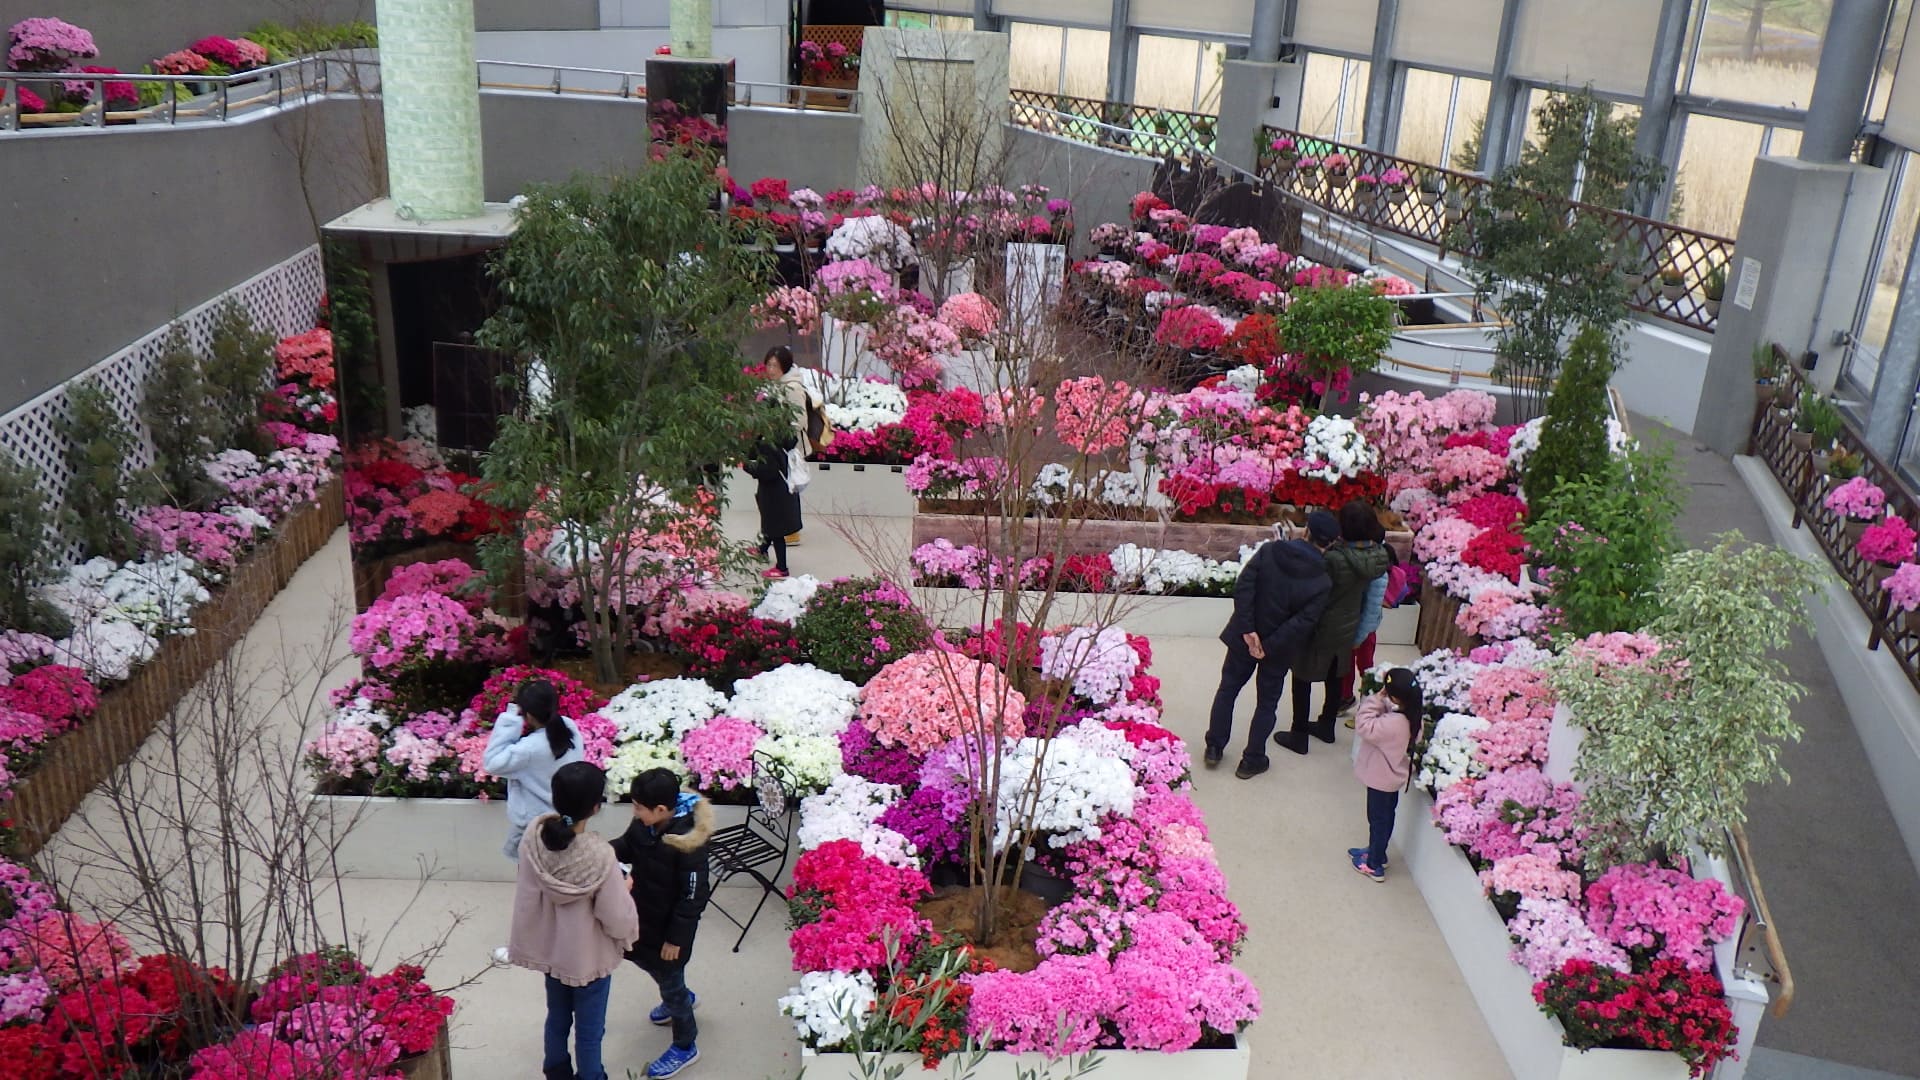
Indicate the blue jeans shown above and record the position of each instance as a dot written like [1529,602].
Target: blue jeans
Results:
[673,994]
[1380,810]
[583,1010]
[1240,666]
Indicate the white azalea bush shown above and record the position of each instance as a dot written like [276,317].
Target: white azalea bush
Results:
[663,710]
[1449,758]
[787,599]
[1161,570]
[864,404]
[824,1000]
[850,809]
[1335,450]
[796,701]
[875,239]
[1084,777]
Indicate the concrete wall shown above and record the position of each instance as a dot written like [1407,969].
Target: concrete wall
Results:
[537,15]
[760,53]
[725,12]
[112,235]
[129,34]
[1100,182]
[536,138]
[816,150]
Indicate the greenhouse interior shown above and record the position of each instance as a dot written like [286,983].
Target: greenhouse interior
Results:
[497,494]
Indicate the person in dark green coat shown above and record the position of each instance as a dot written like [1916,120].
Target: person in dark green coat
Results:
[1329,651]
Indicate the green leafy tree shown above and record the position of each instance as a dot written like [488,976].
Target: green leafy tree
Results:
[26,558]
[1573,437]
[239,363]
[1602,538]
[1671,746]
[634,296]
[175,408]
[99,444]
[350,317]
[1337,328]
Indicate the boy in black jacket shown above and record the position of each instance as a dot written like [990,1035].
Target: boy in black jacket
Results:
[667,847]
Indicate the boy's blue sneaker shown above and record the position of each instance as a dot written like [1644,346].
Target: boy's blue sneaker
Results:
[671,1062]
[661,1017]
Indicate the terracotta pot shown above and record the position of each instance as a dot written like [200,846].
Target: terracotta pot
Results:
[1672,293]
[1396,196]
[1339,180]
[1854,530]
[1429,198]
[1766,392]
[1802,440]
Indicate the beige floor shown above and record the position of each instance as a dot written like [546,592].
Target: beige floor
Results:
[1356,980]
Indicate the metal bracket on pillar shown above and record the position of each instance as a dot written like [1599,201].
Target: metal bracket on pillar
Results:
[1502,100]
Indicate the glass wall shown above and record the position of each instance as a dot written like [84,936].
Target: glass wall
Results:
[1893,244]
[1440,115]
[1177,73]
[1333,101]
[1762,51]
[917,20]
[1058,60]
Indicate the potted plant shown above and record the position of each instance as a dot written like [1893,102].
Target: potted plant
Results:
[1858,503]
[1826,425]
[1366,187]
[1432,186]
[1673,283]
[1285,152]
[1903,595]
[1766,373]
[1456,205]
[1845,465]
[1813,414]
[1395,181]
[1886,546]
[1339,169]
[1714,287]
[1203,129]
[1308,170]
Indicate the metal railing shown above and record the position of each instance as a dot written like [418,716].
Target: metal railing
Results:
[1431,216]
[199,99]
[1792,461]
[1758,918]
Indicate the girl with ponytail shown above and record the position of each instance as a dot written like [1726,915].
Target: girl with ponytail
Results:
[573,920]
[531,742]
[1386,727]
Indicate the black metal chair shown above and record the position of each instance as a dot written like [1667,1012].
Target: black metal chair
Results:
[760,846]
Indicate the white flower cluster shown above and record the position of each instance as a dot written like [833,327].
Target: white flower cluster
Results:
[362,713]
[812,761]
[1161,570]
[663,709]
[1246,378]
[1449,757]
[1445,679]
[850,809]
[422,424]
[796,701]
[1335,450]
[120,611]
[864,404]
[1099,662]
[634,758]
[1083,777]
[827,1004]
[1055,483]
[1527,439]
[875,239]
[787,599]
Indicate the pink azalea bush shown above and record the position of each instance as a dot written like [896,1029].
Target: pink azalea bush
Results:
[1889,543]
[928,698]
[719,753]
[45,44]
[1666,913]
[1859,499]
[972,317]
[1903,587]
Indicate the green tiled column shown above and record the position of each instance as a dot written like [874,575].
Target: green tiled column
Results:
[431,100]
[692,27]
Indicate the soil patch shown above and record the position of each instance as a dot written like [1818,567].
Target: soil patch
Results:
[955,910]
[634,667]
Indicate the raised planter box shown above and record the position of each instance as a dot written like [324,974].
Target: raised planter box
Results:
[841,489]
[435,1064]
[1439,626]
[1530,1040]
[1234,1064]
[370,576]
[1168,616]
[78,761]
[1099,536]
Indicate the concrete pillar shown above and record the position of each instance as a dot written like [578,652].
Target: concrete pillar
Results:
[1898,382]
[1382,83]
[1656,108]
[1269,30]
[983,19]
[1848,56]
[691,27]
[431,108]
[1119,53]
[1503,98]
[1253,94]
[1799,259]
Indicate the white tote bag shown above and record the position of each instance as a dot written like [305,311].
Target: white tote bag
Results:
[797,475]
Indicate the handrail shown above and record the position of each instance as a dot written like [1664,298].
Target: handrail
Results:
[1762,916]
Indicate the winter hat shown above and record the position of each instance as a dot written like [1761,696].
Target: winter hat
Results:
[1323,527]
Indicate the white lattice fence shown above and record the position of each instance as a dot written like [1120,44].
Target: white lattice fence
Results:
[284,299]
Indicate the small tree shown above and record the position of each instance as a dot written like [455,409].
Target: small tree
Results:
[1573,437]
[1673,743]
[1601,538]
[634,296]
[239,362]
[25,559]
[99,444]
[175,408]
[1337,330]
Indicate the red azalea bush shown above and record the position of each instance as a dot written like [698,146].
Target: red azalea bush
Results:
[1190,328]
[402,494]
[577,699]
[1497,551]
[1255,340]
[731,644]
[934,422]
[1666,1008]
[56,693]
[1087,573]
[1493,510]
[844,902]
[991,645]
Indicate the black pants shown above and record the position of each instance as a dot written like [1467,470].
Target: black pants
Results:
[1234,673]
[1303,684]
[779,544]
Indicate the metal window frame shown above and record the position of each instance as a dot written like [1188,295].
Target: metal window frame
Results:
[1903,171]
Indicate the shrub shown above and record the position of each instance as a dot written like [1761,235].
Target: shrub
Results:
[99,442]
[728,645]
[1602,540]
[1573,438]
[239,363]
[856,626]
[175,410]
[25,559]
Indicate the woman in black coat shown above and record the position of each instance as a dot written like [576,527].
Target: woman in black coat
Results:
[779,506]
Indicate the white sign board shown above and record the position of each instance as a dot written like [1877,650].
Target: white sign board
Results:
[1748,286]
[1035,274]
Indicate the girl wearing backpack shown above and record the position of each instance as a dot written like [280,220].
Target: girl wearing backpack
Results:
[1384,729]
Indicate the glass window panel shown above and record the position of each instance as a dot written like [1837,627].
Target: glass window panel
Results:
[1763,51]
[923,20]
[1164,72]
[1033,61]
[1084,74]
[1083,12]
[1333,98]
[1716,160]
[1891,265]
[1785,142]
[1890,58]
[1213,59]
[1424,112]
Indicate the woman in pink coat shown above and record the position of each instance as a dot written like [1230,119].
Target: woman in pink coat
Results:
[1384,730]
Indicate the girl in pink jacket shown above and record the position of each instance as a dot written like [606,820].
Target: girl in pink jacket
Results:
[1384,729]
[572,920]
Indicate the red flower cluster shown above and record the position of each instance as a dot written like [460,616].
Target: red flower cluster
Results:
[1494,442]
[933,1009]
[728,644]
[1668,1007]
[1087,573]
[392,500]
[147,1014]
[845,903]
[989,645]
[1497,551]
[1494,510]
[56,693]
[1194,497]
[577,699]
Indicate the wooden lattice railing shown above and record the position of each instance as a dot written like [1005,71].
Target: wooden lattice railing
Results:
[1430,216]
[1807,484]
[1115,124]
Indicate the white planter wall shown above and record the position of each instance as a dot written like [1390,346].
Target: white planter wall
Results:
[1231,1064]
[1167,616]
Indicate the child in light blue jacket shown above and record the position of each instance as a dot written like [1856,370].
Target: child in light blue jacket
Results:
[527,763]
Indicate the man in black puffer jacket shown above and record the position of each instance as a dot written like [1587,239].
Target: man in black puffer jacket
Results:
[1276,604]
[667,848]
